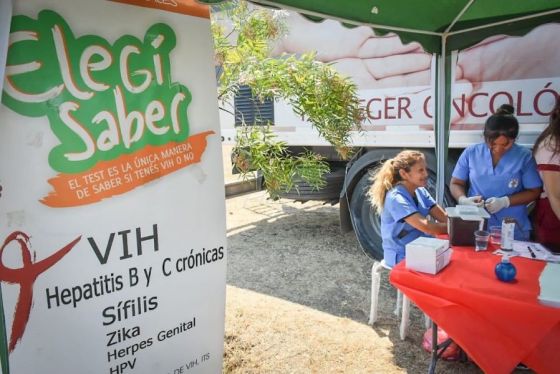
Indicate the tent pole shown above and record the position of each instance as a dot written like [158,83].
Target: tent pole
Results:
[510,20]
[458,17]
[441,127]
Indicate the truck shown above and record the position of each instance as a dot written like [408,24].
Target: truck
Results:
[397,84]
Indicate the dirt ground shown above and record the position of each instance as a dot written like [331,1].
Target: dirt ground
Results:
[298,297]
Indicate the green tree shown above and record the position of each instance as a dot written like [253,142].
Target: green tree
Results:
[315,91]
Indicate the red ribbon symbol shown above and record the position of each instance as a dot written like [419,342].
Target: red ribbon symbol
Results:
[25,277]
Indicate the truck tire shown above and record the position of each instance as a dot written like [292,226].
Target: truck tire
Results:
[304,192]
[366,222]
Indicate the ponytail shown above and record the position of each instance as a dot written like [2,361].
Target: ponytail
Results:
[387,176]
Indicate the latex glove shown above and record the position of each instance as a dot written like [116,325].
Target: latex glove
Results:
[495,204]
[473,200]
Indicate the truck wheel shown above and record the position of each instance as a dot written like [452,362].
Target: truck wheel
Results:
[366,222]
[304,192]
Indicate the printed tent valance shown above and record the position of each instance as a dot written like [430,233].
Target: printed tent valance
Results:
[464,22]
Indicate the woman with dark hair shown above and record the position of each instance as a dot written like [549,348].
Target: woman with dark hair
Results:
[547,155]
[500,174]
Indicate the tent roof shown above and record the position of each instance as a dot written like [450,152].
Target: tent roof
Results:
[454,24]
[464,22]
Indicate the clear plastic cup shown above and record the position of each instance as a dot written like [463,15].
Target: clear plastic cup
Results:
[496,235]
[481,240]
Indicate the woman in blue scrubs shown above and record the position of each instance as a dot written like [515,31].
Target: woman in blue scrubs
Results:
[399,195]
[500,174]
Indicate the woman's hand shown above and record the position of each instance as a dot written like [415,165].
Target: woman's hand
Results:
[423,224]
[458,190]
[502,58]
[473,200]
[495,204]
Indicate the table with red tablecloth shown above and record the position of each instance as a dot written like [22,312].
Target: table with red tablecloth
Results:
[497,324]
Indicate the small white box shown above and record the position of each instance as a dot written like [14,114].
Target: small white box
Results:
[427,255]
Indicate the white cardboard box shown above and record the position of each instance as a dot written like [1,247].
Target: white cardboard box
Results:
[427,255]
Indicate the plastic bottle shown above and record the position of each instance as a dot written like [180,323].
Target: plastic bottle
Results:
[508,230]
[505,270]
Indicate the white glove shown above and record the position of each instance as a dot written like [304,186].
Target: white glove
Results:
[495,204]
[473,200]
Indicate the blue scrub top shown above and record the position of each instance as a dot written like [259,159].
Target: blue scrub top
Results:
[395,232]
[515,172]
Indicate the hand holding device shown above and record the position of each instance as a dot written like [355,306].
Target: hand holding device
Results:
[473,200]
[495,204]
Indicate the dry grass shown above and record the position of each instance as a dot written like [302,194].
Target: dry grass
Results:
[269,335]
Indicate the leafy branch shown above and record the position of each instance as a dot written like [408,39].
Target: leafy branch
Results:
[258,149]
[315,91]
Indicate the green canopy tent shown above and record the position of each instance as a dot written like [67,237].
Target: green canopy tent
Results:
[441,26]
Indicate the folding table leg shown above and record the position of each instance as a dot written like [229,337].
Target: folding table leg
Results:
[432,368]
[437,347]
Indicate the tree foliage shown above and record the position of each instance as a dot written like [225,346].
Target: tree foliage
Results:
[315,91]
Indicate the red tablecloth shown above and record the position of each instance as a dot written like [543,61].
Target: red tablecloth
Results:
[498,324]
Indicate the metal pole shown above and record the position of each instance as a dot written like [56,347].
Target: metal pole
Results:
[506,21]
[441,124]
[433,362]
[458,16]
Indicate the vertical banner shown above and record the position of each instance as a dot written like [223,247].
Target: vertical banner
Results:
[112,210]
[5,18]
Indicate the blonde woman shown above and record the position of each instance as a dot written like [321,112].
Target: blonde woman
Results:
[399,196]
